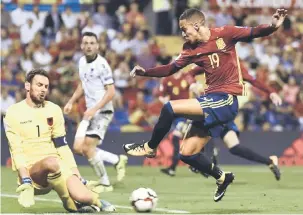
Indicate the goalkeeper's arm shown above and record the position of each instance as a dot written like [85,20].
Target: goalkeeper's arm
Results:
[59,140]
[65,153]
[67,157]
[25,190]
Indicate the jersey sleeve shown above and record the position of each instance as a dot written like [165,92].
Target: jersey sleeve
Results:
[238,33]
[59,124]
[12,131]
[106,74]
[184,58]
[246,34]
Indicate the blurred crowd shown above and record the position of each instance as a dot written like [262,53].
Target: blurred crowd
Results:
[51,40]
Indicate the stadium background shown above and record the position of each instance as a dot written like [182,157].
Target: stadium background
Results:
[47,34]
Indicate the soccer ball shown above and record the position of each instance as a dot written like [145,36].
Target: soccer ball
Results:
[144,199]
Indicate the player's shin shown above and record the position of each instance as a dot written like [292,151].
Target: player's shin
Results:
[248,154]
[203,164]
[80,193]
[57,181]
[163,125]
[98,166]
[232,142]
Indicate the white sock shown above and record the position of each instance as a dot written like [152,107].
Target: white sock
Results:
[107,156]
[82,128]
[99,168]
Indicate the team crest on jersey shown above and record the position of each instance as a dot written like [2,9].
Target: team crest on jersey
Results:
[50,121]
[169,84]
[220,43]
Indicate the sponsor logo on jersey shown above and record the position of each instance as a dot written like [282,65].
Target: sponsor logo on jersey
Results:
[50,121]
[220,44]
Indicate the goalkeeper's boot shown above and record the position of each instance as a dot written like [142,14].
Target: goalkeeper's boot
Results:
[142,149]
[105,206]
[121,167]
[97,187]
[221,187]
[274,167]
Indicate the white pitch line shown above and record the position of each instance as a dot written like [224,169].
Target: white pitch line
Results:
[117,206]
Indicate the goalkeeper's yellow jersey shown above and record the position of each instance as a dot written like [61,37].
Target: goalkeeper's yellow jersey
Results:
[30,131]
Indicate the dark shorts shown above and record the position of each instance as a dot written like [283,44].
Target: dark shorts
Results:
[220,110]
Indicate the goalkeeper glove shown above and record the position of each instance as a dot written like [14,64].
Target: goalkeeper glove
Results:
[26,190]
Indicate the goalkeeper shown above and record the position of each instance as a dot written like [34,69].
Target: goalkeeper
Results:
[36,133]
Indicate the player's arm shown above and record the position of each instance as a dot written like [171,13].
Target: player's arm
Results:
[248,33]
[59,139]
[25,189]
[180,62]
[258,84]
[15,143]
[77,94]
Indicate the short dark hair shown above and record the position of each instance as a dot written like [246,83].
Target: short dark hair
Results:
[189,13]
[89,34]
[30,76]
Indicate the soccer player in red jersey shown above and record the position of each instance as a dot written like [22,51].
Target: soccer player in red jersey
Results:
[214,50]
[176,87]
[231,132]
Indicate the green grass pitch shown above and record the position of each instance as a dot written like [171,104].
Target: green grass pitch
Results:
[254,191]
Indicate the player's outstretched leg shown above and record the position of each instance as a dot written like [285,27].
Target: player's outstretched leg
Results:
[232,142]
[211,152]
[96,162]
[87,201]
[191,154]
[170,111]
[119,162]
[48,172]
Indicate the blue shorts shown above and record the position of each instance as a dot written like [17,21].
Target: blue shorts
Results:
[220,110]
[230,126]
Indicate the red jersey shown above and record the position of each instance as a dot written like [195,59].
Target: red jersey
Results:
[218,58]
[244,74]
[176,88]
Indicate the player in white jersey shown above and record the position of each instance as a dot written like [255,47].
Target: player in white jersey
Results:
[97,85]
